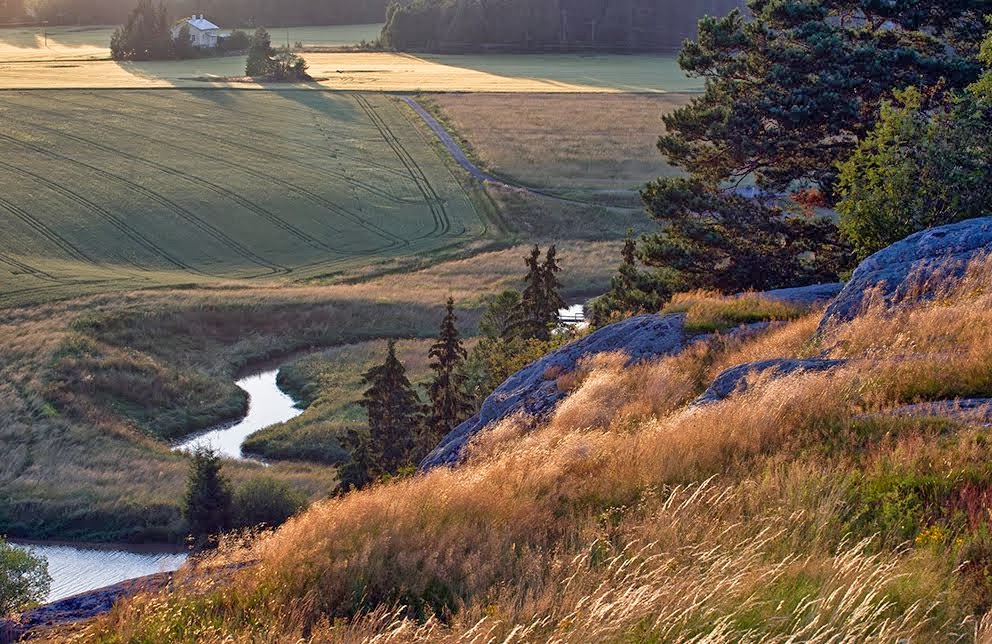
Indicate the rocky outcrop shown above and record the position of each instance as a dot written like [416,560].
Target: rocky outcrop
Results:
[78,607]
[533,391]
[805,296]
[973,410]
[735,380]
[923,263]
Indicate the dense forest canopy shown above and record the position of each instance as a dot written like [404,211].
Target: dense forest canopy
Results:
[271,13]
[546,24]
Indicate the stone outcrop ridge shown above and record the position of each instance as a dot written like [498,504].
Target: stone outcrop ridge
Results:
[531,391]
[78,607]
[734,380]
[921,264]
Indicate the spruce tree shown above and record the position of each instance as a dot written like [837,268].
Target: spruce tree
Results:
[632,291]
[449,404]
[207,504]
[533,303]
[260,60]
[394,412]
[553,301]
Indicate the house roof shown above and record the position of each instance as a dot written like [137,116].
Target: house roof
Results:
[198,22]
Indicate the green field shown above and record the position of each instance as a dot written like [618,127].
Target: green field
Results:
[134,189]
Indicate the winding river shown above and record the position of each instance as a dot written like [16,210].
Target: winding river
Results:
[77,569]
[267,405]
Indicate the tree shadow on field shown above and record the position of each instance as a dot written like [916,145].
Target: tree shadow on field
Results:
[314,96]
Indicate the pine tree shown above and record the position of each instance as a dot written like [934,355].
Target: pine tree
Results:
[533,303]
[207,504]
[449,403]
[394,412]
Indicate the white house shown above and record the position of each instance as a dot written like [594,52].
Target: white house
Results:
[202,32]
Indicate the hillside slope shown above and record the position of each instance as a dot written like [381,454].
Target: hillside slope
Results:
[803,505]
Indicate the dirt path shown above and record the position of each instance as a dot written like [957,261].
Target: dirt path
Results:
[454,149]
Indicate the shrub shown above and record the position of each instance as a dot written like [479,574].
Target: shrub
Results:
[24,578]
[264,501]
[237,41]
[917,169]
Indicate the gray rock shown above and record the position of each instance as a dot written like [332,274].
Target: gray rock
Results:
[805,296]
[972,410]
[530,390]
[945,250]
[734,380]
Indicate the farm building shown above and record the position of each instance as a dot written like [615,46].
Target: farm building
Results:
[202,32]
[11,11]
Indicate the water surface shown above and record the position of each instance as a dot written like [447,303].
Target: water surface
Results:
[267,405]
[76,569]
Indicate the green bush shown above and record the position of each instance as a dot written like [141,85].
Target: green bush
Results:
[264,501]
[24,578]
[920,167]
[237,41]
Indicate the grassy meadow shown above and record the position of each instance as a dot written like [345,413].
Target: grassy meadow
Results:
[801,509]
[583,142]
[138,189]
[329,385]
[94,389]
[79,58]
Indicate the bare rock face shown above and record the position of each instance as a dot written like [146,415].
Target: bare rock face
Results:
[533,392]
[923,262]
[734,380]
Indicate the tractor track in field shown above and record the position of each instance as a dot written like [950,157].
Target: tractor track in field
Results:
[282,138]
[102,213]
[20,266]
[394,240]
[375,190]
[167,203]
[220,190]
[442,222]
[37,226]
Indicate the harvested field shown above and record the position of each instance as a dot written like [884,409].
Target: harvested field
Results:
[574,141]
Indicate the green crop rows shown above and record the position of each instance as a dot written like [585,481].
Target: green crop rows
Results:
[124,189]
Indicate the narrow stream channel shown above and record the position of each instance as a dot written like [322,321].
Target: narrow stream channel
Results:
[78,569]
[267,405]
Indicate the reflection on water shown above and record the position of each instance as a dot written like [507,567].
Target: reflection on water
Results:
[267,405]
[77,570]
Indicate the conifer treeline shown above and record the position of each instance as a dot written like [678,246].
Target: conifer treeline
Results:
[640,25]
[516,329]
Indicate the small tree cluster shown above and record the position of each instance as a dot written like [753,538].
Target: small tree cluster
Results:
[145,35]
[265,62]
[400,429]
[632,291]
[518,328]
[211,507]
[541,298]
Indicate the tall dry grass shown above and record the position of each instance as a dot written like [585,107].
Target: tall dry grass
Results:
[627,517]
